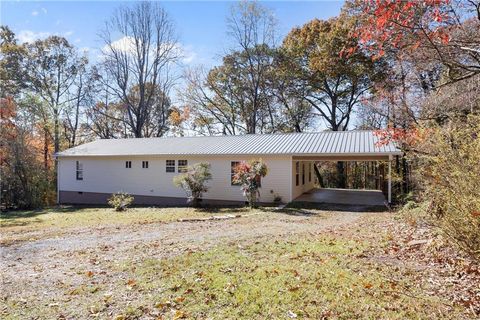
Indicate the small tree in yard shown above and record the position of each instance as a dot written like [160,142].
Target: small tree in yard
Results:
[193,181]
[120,201]
[248,174]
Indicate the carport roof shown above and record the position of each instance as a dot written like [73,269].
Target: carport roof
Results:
[334,143]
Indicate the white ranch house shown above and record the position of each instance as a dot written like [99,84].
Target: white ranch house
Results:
[90,173]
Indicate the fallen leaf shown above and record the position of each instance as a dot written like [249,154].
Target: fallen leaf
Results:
[291,314]
[179,314]
[367,285]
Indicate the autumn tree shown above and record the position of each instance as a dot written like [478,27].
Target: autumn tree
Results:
[326,78]
[139,61]
[234,98]
[445,32]
[22,182]
[12,75]
[334,83]
[52,66]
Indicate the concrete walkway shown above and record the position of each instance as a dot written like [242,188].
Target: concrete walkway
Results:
[344,196]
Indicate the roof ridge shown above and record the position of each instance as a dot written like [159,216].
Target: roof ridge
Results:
[241,135]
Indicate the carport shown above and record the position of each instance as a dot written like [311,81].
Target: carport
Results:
[344,196]
[358,146]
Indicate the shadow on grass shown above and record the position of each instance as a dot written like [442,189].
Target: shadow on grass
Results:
[222,209]
[313,208]
[8,218]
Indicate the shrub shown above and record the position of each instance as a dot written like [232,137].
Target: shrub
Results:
[120,201]
[248,175]
[449,167]
[276,197]
[193,181]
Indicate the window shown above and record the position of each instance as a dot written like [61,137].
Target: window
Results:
[182,165]
[297,173]
[170,166]
[310,172]
[145,164]
[79,170]
[128,164]
[303,173]
[233,165]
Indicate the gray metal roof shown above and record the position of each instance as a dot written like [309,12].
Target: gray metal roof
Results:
[314,143]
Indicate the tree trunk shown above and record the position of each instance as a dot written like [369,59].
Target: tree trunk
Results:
[341,183]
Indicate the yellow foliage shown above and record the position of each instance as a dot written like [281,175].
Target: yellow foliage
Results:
[449,168]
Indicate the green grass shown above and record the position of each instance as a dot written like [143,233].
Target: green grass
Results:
[16,225]
[311,278]
[306,276]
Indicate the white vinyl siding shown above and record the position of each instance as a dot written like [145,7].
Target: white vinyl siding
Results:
[104,175]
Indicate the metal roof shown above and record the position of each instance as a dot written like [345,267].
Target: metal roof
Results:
[313,143]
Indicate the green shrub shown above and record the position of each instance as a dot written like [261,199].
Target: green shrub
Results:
[193,181]
[120,201]
[449,172]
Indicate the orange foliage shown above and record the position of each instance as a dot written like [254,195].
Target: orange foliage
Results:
[409,137]
[399,23]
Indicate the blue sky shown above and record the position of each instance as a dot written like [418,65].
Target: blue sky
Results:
[200,25]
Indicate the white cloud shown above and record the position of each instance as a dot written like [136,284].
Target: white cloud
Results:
[37,12]
[127,44]
[31,36]
[187,53]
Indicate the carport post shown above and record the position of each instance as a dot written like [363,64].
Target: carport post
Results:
[390,179]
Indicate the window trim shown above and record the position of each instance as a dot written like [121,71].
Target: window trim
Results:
[79,171]
[169,168]
[303,173]
[182,168]
[297,173]
[309,172]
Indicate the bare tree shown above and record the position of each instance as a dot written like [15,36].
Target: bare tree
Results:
[252,31]
[80,97]
[139,61]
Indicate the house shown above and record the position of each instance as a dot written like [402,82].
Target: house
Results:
[90,173]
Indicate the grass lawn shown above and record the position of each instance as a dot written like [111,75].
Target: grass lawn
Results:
[306,278]
[309,272]
[33,224]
